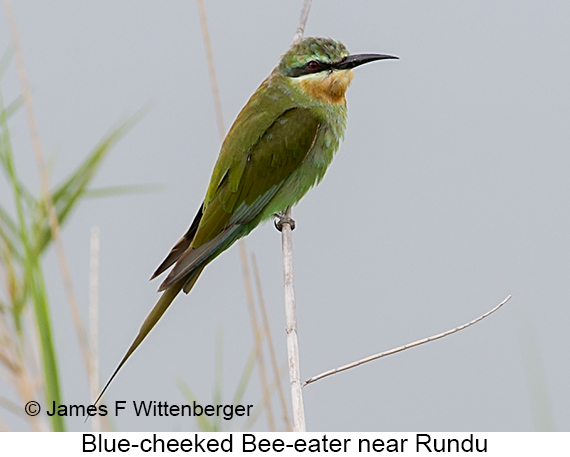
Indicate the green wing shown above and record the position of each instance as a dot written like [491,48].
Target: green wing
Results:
[260,152]
[244,181]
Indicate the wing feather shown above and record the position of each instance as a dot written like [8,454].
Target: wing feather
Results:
[246,187]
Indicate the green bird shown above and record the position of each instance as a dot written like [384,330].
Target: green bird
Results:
[279,146]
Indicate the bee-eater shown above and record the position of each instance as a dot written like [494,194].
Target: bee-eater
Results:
[279,146]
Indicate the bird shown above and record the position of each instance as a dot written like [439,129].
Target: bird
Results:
[280,145]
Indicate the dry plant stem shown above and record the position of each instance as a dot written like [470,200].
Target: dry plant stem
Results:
[267,331]
[50,210]
[406,346]
[292,342]
[289,290]
[258,338]
[302,21]
[13,362]
[255,415]
[249,293]
[94,317]
[211,68]
[290,307]
[26,391]
[291,329]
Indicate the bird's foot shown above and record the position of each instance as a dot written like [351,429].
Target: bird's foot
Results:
[280,219]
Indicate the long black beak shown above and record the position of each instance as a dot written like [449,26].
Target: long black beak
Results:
[359,59]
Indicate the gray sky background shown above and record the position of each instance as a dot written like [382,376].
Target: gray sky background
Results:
[449,192]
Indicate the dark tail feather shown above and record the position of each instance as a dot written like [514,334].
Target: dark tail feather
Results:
[159,309]
[192,261]
[181,246]
[173,256]
[192,279]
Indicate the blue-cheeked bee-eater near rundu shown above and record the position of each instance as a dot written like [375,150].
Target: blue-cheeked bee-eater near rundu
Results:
[279,146]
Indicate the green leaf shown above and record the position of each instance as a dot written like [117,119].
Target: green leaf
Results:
[204,423]
[33,281]
[49,359]
[66,195]
[114,191]
[9,234]
[6,60]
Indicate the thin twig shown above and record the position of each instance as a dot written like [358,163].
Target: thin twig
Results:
[254,416]
[407,346]
[258,338]
[94,243]
[291,327]
[302,22]
[46,194]
[267,331]
[211,68]
[289,290]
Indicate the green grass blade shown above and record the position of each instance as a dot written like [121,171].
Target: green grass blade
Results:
[67,195]
[13,107]
[114,191]
[33,281]
[244,379]
[6,113]
[8,165]
[6,60]
[9,233]
[204,423]
[219,374]
[49,360]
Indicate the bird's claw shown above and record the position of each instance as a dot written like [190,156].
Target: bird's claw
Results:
[282,218]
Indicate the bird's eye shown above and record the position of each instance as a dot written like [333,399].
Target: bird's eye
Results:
[313,65]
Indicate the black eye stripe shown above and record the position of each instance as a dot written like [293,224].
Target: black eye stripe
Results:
[313,66]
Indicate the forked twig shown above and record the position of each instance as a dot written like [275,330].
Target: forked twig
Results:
[406,346]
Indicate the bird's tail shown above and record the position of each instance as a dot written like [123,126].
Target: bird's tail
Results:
[154,316]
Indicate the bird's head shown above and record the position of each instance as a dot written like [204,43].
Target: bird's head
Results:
[322,68]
